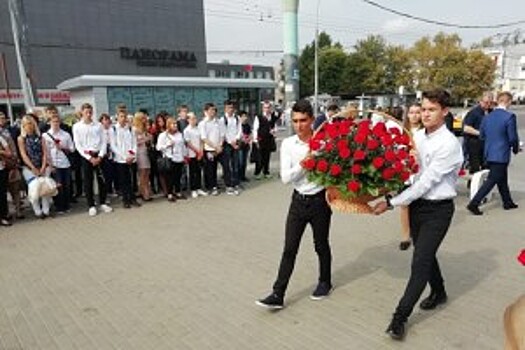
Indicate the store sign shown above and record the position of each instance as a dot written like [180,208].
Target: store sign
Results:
[44,97]
[159,58]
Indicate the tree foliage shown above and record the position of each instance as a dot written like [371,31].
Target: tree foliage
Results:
[374,66]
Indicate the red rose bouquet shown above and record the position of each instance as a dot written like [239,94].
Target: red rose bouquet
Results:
[358,161]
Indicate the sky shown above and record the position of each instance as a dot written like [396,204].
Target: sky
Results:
[250,31]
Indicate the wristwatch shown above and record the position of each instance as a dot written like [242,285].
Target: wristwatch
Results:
[389,205]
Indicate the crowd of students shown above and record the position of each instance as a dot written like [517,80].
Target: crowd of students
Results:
[130,156]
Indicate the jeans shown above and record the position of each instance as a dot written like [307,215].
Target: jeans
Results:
[62,177]
[230,165]
[311,210]
[498,175]
[429,223]
[242,155]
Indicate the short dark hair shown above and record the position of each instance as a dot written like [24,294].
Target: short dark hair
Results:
[209,105]
[333,108]
[86,106]
[303,106]
[104,116]
[506,94]
[181,107]
[51,108]
[229,103]
[440,96]
[241,113]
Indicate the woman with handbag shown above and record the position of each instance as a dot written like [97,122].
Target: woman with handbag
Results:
[173,148]
[34,157]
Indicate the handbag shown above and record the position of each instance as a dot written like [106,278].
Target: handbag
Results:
[47,187]
[164,164]
[254,154]
[273,144]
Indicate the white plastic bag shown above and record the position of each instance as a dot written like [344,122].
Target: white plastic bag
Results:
[42,186]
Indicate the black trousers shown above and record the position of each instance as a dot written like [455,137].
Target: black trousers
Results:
[303,210]
[124,175]
[173,176]
[264,161]
[498,175]
[475,154]
[62,176]
[429,223]
[88,173]
[210,170]
[195,174]
[4,208]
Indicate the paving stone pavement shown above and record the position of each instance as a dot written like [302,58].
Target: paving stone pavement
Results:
[186,275]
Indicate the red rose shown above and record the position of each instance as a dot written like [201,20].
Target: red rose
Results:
[309,164]
[359,154]
[411,161]
[521,257]
[390,155]
[394,131]
[415,168]
[378,162]
[335,170]
[356,169]
[462,172]
[320,135]
[386,140]
[402,154]
[322,166]
[388,173]
[364,125]
[344,127]
[329,146]
[344,153]
[332,130]
[379,129]
[353,186]
[341,144]
[315,144]
[398,167]
[372,144]
[360,138]
[402,140]
[405,175]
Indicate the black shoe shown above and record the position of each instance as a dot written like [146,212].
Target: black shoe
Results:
[433,300]
[474,209]
[245,179]
[127,205]
[322,290]
[180,196]
[272,302]
[5,222]
[136,204]
[396,329]
[510,206]
[404,245]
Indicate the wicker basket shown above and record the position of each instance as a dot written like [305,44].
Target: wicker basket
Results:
[356,205]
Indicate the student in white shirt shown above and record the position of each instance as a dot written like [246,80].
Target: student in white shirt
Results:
[108,163]
[308,206]
[124,148]
[229,158]
[59,145]
[90,143]
[212,136]
[172,146]
[193,140]
[431,207]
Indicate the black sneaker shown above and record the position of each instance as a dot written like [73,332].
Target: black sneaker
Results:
[474,209]
[433,300]
[396,329]
[322,290]
[272,302]
[510,206]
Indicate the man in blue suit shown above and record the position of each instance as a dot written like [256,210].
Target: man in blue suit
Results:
[499,131]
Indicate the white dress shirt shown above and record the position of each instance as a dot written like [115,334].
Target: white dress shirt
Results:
[439,157]
[56,154]
[293,151]
[232,128]
[192,136]
[89,137]
[172,146]
[123,143]
[212,131]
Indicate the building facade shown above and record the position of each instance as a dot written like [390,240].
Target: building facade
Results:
[510,68]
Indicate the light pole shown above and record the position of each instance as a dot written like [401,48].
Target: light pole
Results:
[316,61]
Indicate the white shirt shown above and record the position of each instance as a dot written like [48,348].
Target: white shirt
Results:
[172,146]
[439,157]
[89,137]
[192,136]
[211,130]
[232,128]
[56,154]
[123,143]
[293,151]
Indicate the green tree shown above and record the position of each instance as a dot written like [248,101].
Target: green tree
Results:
[332,61]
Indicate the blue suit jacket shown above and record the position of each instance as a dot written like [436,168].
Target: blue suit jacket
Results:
[499,131]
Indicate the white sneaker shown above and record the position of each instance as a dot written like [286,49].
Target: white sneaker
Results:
[194,194]
[215,192]
[202,193]
[92,211]
[230,191]
[106,208]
